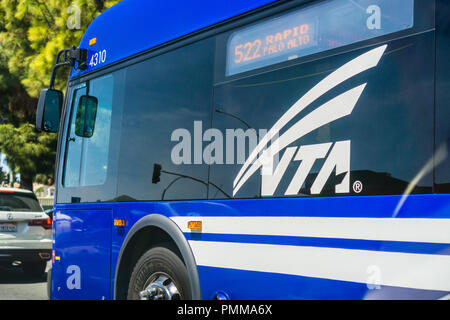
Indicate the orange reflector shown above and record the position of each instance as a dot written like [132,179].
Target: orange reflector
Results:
[119,222]
[6,191]
[195,225]
[92,41]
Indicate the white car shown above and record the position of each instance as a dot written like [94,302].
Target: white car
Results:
[25,231]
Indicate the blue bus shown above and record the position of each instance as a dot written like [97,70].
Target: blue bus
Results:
[254,149]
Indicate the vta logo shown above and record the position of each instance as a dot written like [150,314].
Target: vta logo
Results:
[338,153]
[339,158]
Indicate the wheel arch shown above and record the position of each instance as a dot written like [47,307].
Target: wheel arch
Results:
[149,231]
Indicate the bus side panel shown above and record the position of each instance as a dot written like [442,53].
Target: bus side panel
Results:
[291,249]
[82,249]
[300,249]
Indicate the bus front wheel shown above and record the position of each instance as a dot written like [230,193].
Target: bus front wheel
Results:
[159,275]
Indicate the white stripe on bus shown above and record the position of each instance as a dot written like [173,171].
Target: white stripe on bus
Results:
[387,229]
[408,270]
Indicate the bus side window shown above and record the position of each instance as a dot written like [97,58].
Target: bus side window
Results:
[165,95]
[442,147]
[89,135]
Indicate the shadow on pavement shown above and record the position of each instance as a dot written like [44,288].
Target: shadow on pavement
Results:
[15,275]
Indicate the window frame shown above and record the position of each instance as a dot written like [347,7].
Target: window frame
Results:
[71,110]
[63,144]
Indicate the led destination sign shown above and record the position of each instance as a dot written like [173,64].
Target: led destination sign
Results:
[323,26]
[273,44]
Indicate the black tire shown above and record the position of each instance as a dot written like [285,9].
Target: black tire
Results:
[162,260]
[34,269]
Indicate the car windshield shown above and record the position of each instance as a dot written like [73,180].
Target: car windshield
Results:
[19,202]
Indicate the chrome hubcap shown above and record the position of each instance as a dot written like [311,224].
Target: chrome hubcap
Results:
[159,287]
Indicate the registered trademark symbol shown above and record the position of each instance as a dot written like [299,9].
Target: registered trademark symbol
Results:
[357,186]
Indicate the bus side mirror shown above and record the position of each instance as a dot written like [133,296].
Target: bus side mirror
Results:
[49,110]
[86,115]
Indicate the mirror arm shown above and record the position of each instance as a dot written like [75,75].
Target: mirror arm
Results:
[53,74]
[70,56]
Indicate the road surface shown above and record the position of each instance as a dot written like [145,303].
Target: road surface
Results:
[15,285]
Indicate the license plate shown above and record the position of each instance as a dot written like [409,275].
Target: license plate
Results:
[8,227]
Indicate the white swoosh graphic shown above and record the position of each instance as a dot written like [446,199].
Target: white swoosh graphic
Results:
[334,109]
[361,63]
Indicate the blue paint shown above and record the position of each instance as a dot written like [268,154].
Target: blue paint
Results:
[240,285]
[416,206]
[371,245]
[82,239]
[133,26]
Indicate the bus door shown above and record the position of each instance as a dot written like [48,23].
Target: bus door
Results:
[81,268]
[86,178]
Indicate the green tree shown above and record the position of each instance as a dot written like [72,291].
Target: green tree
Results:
[33,31]
[28,152]
[31,34]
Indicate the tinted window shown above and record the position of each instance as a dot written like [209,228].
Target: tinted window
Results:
[87,158]
[442,158]
[315,28]
[163,98]
[370,133]
[89,173]
[19,202]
